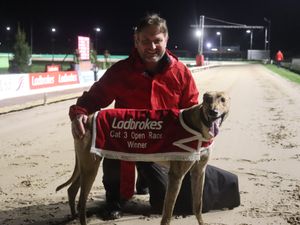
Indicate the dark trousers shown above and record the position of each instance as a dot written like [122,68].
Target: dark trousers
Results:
[220,189]
[111,179]
[154,176]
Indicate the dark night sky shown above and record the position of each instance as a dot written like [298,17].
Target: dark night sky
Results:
[117,19]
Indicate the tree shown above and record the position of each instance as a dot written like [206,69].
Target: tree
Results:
[21,52]
[93,55]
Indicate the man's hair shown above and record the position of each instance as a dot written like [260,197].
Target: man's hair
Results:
[152,19]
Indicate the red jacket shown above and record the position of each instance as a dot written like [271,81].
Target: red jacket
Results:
[128,83]
[279,56]
[130,86]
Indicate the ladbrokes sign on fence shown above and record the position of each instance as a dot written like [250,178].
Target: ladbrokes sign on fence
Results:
[52,79]
[16,85]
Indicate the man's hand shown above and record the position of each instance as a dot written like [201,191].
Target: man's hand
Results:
[78,126]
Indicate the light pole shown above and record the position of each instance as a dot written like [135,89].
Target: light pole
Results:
[53,30]
[8,37]
[97,30]
[220,36]
[200,47]
[268,32]
[251,37]
[198,34]
[31,40]
[8,40]
[266,40]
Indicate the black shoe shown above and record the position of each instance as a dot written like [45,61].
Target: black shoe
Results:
[141,185]
[112,211]
[142,191]
[112,215]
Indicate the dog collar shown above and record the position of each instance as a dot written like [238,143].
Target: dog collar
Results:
[204,120]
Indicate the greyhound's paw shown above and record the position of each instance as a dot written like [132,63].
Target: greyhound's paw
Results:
[112,215]
[112,211]
[72,217]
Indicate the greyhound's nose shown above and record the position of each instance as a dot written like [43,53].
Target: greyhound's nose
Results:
[213,113]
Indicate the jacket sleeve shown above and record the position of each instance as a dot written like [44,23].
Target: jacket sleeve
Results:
[190,93]
[99,96]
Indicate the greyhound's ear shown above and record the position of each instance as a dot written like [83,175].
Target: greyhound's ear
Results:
[223,117]
[225,114]
[207,97]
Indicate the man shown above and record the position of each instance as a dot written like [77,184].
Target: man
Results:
[279,58]
[150,78]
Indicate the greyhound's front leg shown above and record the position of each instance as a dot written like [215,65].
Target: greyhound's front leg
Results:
[197,183]
[177,171]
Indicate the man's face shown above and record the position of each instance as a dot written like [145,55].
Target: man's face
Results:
[151,44]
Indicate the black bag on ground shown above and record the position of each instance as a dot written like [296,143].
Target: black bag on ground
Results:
[221,189]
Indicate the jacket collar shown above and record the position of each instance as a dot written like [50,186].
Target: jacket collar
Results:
[168,60]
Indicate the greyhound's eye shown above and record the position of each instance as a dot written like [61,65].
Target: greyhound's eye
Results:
[208,99]
[223,99]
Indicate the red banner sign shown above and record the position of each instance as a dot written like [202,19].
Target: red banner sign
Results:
[53,68]
[52,79]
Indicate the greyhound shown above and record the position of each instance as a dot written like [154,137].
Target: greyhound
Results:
[201,118]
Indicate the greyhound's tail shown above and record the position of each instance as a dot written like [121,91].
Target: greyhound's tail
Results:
[72,178]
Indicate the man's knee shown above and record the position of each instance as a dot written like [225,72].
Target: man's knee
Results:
[111,177]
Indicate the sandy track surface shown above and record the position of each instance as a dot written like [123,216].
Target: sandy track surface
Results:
[260,142]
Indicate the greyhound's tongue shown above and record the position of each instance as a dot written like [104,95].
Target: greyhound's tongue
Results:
[214,130]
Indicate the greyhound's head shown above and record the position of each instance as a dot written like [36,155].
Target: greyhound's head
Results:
[208,116]
[215,106]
